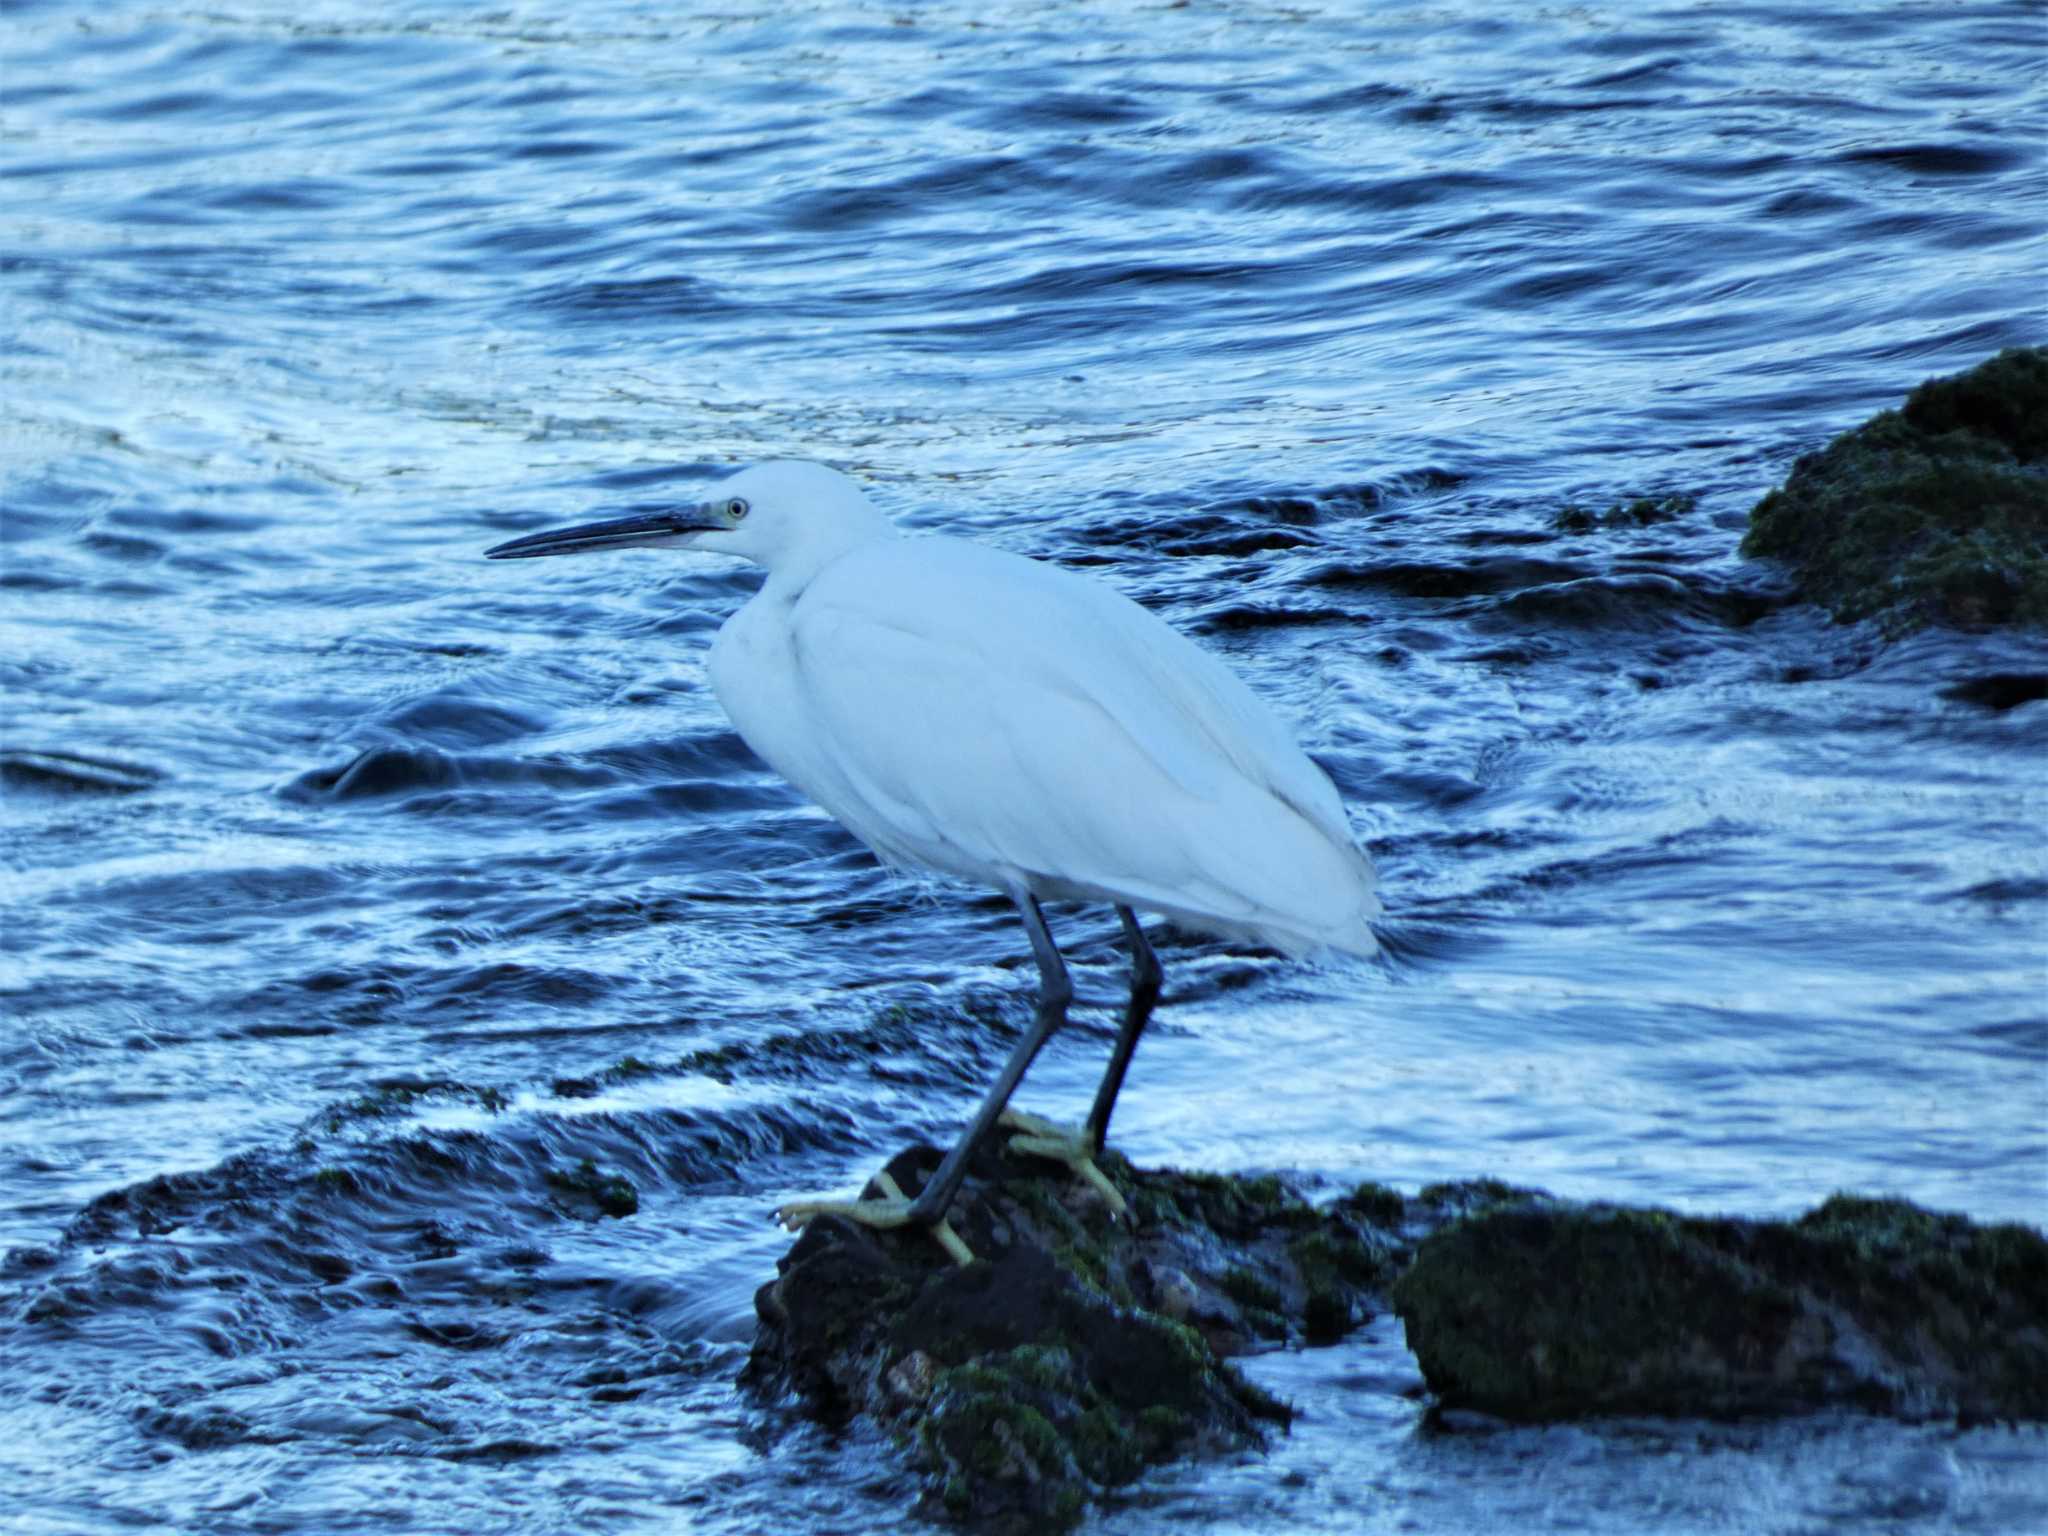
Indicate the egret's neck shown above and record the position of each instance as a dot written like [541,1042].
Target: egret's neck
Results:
[792,567]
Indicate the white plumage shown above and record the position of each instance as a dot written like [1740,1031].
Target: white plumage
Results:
[1009,722]
[1013,724]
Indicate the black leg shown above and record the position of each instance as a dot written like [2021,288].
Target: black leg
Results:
[1055,991]
[1145,979]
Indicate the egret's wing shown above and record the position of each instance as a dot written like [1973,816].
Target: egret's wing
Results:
[989,714]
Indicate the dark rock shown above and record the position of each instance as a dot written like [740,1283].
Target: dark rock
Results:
[1077,1349]
[1934,513]
[588,1191]
[72,772]
[401,1095]
[1638,512]
[1534,1310]
[2000,690]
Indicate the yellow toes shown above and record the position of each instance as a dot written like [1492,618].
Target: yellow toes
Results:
[1043,1138]
[884,1214]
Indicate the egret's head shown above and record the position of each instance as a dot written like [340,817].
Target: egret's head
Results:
[775,514]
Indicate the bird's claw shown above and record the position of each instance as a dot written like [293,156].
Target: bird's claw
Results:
[890,1211]
[884,1214]
[1044,1138]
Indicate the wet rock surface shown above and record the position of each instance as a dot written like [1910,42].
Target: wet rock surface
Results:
[1933,513]
[1536,1310]
[1080,1349]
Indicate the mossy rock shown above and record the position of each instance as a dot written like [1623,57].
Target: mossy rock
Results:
[1540,1311]
[394,1096]
[1934,513]
[1636,512]
[588,1191]
[1078,1349]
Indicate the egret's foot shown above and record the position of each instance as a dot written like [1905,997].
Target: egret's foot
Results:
[1063,1144]
[893,1210]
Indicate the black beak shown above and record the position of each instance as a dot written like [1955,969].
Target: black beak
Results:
[653,526]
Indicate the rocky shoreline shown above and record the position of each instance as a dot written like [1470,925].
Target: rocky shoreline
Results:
[1079,1349]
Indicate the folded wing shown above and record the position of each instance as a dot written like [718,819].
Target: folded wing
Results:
[1010,722]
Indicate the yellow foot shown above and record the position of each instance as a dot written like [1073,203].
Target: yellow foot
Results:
[891,1211]
[1043,1138]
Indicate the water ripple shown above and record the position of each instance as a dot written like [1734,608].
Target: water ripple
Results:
[378,918]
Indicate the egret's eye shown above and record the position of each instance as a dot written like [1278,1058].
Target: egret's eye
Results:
[736,508]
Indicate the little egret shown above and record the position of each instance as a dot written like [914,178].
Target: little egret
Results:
[1015,725]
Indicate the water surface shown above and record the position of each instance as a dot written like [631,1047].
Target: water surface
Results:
[359,891]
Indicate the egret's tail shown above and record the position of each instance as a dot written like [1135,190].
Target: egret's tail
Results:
[1321,898]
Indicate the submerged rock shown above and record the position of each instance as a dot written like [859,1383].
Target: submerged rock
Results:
[73,772]
[1934,513]
[1079,1348]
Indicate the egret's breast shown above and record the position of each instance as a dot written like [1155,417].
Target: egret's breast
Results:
[753,676]
[756,674]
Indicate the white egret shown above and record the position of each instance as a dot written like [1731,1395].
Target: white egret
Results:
[1018,726]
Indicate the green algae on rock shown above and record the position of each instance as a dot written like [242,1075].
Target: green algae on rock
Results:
[1077,1350]
[588,1191]
[1636,512]
[1937,512]
[1538,1310]
[393,1096]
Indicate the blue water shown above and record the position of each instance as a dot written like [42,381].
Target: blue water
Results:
[1301,325]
